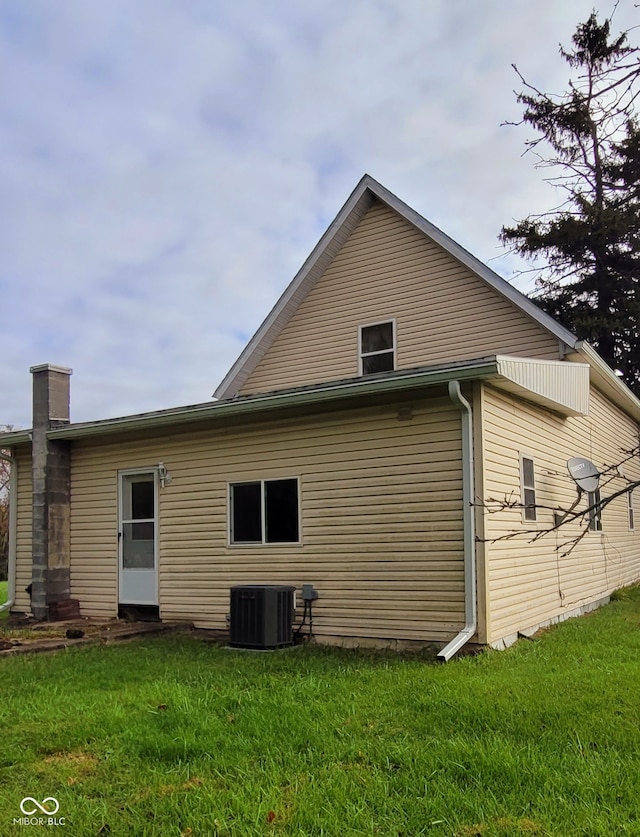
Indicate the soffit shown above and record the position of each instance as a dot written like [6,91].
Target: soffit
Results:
[560,386]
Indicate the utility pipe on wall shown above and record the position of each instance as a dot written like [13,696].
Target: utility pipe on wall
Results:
[11,562]
[468,495]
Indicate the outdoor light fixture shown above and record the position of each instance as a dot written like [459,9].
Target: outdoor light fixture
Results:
[163,474]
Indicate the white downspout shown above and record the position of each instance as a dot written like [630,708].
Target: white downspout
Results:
[11,558]
[468,494]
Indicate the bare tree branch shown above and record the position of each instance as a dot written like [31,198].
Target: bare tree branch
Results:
[565,517]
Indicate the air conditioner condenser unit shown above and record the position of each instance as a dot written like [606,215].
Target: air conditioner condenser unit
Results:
[261,616]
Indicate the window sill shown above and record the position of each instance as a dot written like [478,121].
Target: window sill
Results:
[253,545]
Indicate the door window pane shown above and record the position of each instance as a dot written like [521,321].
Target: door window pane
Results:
[138,546]
[142,505]
[138,501]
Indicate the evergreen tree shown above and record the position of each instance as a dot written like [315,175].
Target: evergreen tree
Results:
[590,137]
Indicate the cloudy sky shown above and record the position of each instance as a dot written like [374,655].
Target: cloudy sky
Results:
[167,165]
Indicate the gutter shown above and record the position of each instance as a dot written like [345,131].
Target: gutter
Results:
[463,370]
[11,558]
[468,511]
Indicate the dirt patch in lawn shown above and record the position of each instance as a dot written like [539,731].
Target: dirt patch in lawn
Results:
[73,767]
[24,636]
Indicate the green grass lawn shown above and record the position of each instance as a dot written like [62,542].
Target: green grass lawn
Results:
[172,736]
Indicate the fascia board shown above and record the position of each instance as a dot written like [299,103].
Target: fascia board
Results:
[480,369]
[605,379]
[473,263]
[319,258]
[14,437]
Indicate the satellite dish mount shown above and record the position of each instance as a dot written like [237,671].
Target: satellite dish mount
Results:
[584,473]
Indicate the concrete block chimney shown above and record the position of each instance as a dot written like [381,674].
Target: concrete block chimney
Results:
[51,471]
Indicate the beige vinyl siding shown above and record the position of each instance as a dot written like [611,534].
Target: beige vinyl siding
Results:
[390,270]
[530,583]
[23,529]
[94,537]
[381,519]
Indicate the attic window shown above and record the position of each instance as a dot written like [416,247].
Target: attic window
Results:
[377,348]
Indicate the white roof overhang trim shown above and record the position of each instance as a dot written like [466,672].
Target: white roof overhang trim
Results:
[558,385]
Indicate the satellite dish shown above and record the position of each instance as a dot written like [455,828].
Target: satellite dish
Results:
[585,473]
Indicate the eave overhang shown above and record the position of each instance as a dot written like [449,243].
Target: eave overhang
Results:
[527,378]
[555,384]
[606,381]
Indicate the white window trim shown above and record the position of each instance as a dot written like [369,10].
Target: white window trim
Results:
[597,513]
[263,523]
[631,511]
[393,350]
[533,488]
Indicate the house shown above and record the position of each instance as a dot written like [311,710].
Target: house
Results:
[395,390]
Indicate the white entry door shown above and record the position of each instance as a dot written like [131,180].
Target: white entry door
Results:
[138,538]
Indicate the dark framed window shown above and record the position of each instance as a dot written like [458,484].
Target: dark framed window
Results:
[595,510]
[632,523]
[377,348]
[528,483]
[264,511]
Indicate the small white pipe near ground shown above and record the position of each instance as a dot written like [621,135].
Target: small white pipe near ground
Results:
[11,563]
[468,494]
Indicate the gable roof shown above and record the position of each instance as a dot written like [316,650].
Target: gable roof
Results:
[361,199]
